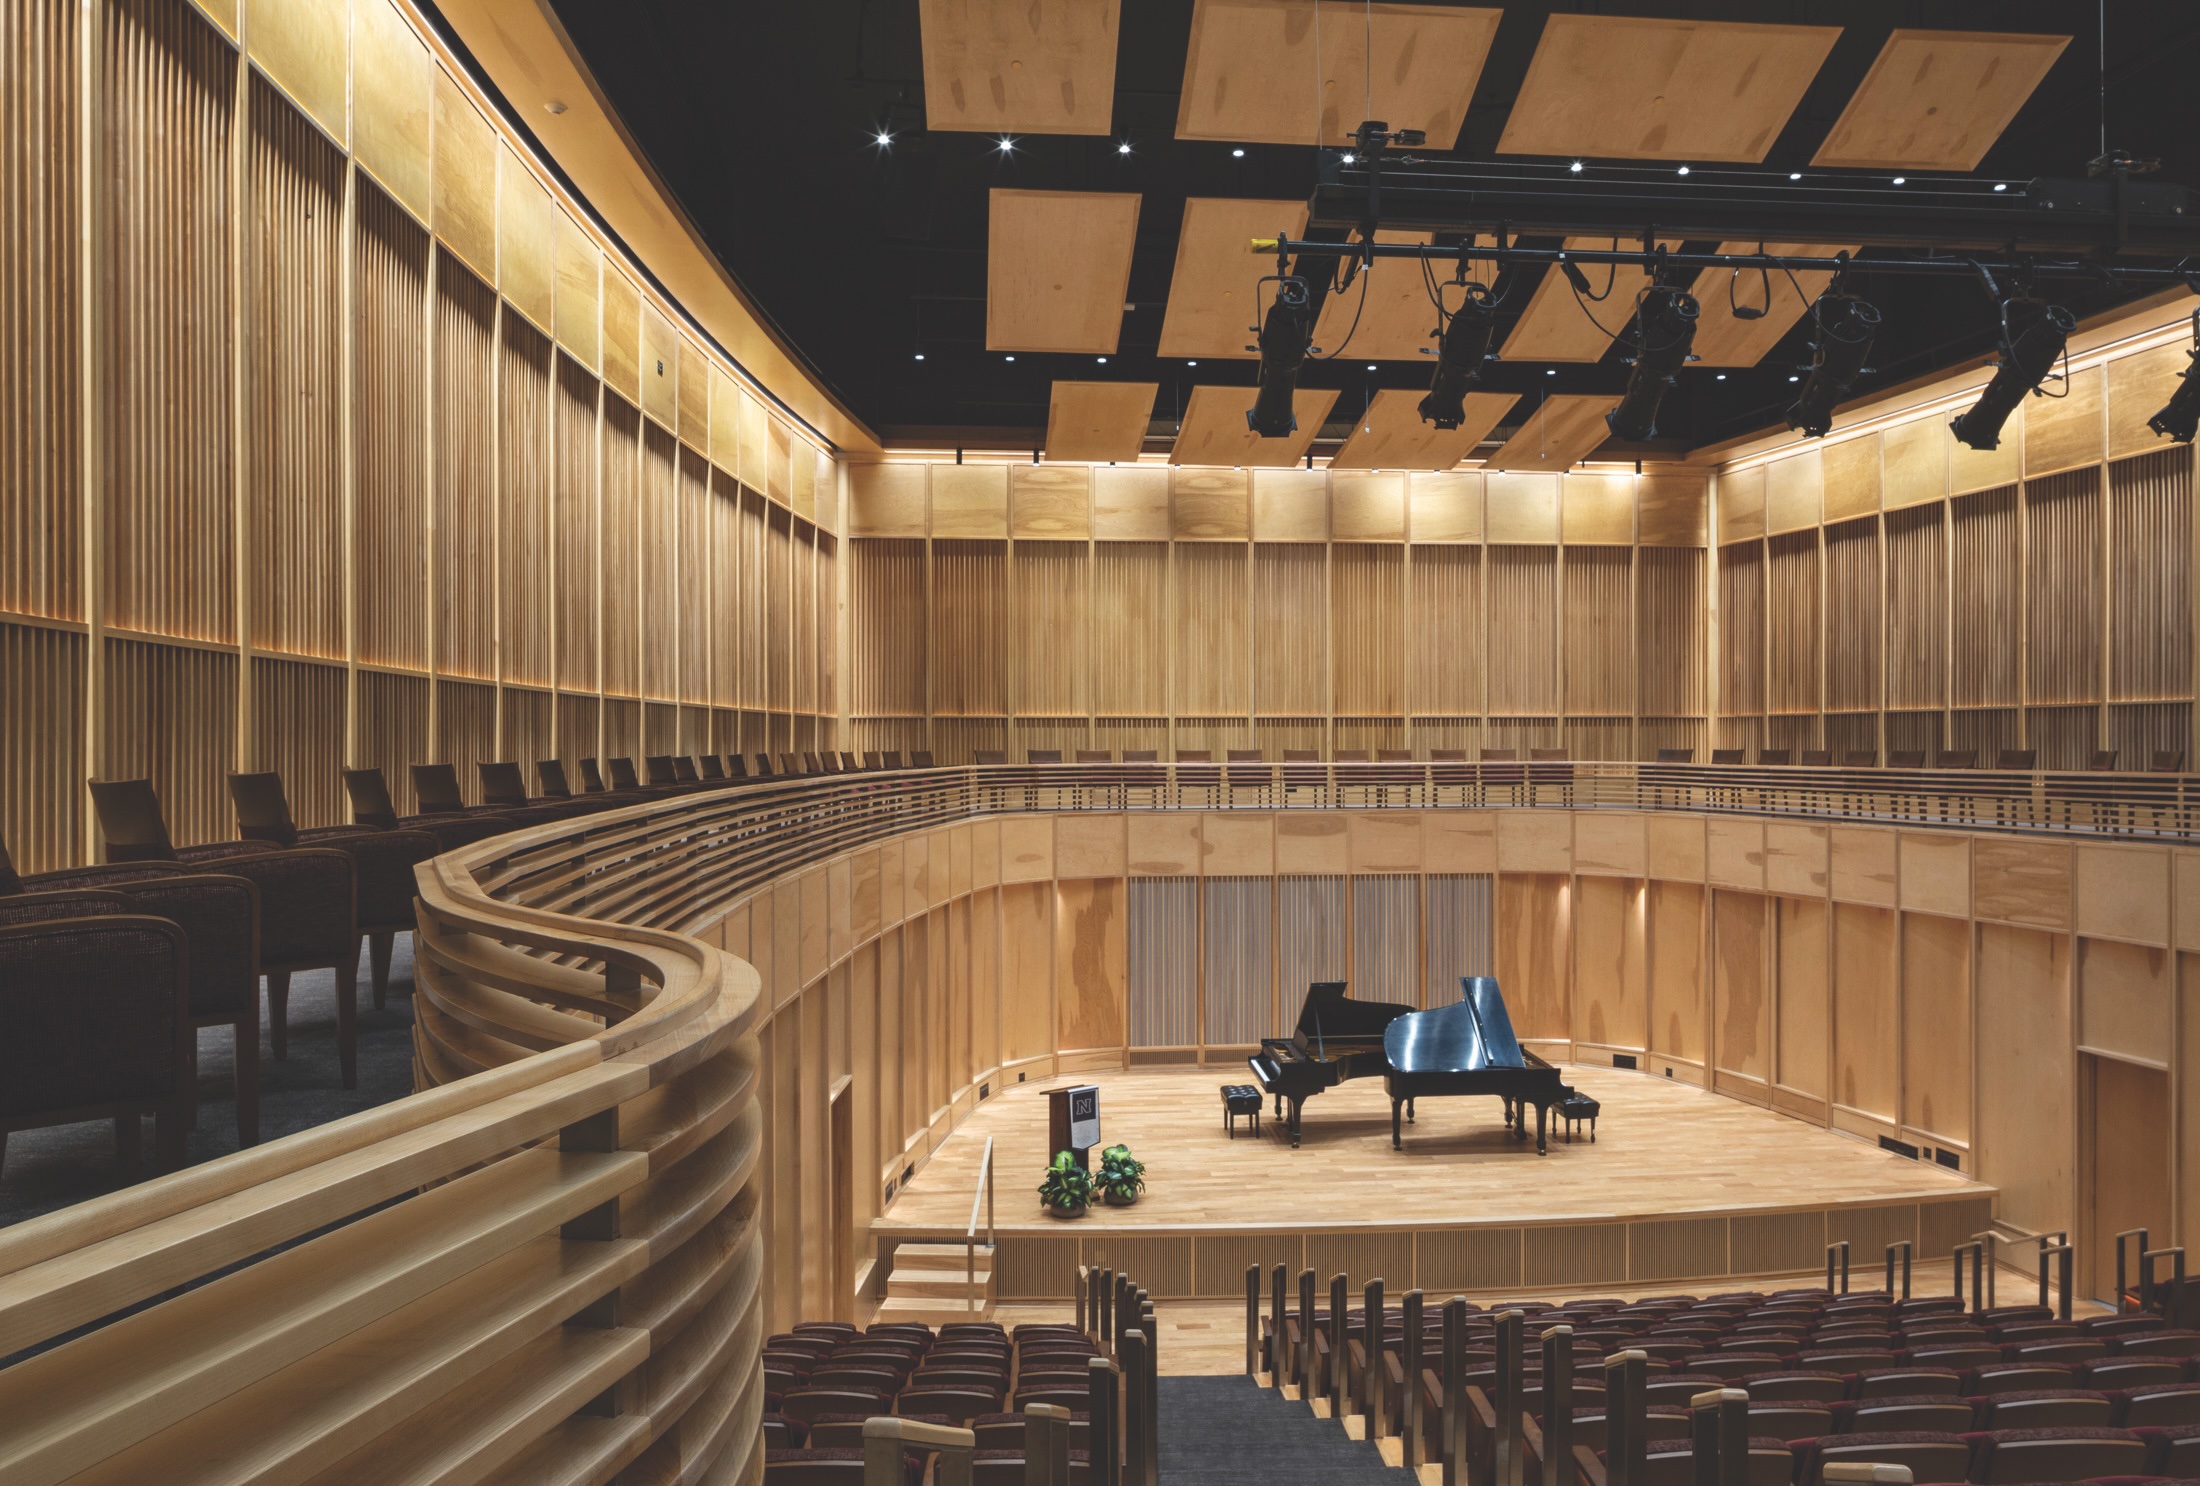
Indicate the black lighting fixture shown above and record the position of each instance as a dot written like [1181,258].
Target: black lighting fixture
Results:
[1665,327]
[1460,352]
[2180,417]
[1284,336]
[1845,326]
[2033,334]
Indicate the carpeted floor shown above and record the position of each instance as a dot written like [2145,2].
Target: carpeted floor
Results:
[1228,1432]
[51,1168]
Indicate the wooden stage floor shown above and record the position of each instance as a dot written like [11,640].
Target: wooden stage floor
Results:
[1680,1184]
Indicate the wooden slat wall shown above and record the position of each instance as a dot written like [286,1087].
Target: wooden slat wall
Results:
[1237,995]
[291,456]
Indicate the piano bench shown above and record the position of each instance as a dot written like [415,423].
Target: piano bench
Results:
[1574,1109]
[1240,1099]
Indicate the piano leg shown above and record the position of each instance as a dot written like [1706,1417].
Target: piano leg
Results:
[1298,1107]
[1542,1145]
[1409,1111]
[1396,1143]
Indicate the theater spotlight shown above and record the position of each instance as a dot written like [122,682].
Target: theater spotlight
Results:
[1284,337]
[1665,327]
[2033,333]
[1846,325]
[1460,352]
[2180,419]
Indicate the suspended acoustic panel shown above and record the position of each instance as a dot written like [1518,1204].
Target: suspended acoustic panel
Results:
[1724,338]
[1215,296]
[1639,88]
[1278,72]
[1937,100]
[1559,325]
[1214,429]
[1389,313]
[1563,431]
[1057,266]
[1045,67]
[1099,421]
[1391,434]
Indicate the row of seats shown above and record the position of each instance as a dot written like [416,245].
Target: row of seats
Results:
[2020,760]
[822,1380]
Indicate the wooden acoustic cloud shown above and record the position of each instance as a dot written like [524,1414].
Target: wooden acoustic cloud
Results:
[1098,422]
[1215,295]
[1045,68]
[1558,325]
[1640,88]
[1058,264]
[1392,435]
[1937,100]
[1388,314]
[1214,430]
[1724,338]
[1565,430]
[1253,71]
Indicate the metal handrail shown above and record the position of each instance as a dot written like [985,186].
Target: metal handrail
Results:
[984,1193]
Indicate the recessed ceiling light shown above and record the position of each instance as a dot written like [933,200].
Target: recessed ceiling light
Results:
[884,138]
[1720,377]
[1684,170]
[1007,145]
[2001,185]
[1191,363]
[1101,359]
[1008,358]
[1795,379]
[1371,366]
[1901,180]
[1795,175]
[1237,154]
[920,356]
[1550,371]
[1575,168]
[1123,147]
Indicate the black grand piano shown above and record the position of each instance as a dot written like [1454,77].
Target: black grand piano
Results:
[1465,1048]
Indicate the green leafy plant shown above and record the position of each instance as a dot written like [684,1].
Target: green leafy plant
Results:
[1068,1186]
[1122,1176]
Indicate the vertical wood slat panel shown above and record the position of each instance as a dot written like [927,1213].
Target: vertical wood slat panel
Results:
[726,575]
[294,417]
[1162,919]
[42,709]
[1445,630]
[465,451]
[1386,938]
[389,494]
[1313,935]
[1522,655]
[171,526]
[2150,641]
[828,625]
[887,608]
[1367,629]
[576,734]
[969,616]
[1792,604]
[298,731]
[693,589]
[1459,937]
[525,482]
[658,538]
[1917,597]
[392,730]
[1209,660]
[172,718]
[1289,616]
[773,626]
[1238,948]
[2063,513]
[1599,663]
[41,306]
[1742,629]
[1669,630]
[1853,617]
[622,573]
[804,615]
[574,519]
[1986,620]
[1130,617]
[1050,634]
[465,729]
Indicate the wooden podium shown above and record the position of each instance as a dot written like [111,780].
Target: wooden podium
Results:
[1073,1122]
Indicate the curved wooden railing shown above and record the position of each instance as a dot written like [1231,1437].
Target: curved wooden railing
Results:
[547,1265]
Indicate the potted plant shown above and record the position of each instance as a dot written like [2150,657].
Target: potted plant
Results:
[1067,1190]
[1122,1177]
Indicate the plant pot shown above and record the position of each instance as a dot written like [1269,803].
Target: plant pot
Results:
[1064,1212]
[1117,1200]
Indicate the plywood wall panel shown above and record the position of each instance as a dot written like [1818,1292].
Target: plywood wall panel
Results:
[393,88]
[1611,1006]
[2124,996]
[1936,1026]
[2026,1120]
[465,176]
[1801,961]
[1741,997]
[1866,1070]
[1677,981]
[1534,937]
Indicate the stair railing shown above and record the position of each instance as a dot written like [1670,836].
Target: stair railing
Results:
[984,1194]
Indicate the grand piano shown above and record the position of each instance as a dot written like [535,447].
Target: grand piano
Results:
[1465,1048]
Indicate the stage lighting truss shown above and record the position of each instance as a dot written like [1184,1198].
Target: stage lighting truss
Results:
[1843,326]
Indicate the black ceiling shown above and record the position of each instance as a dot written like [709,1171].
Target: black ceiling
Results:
[761,116]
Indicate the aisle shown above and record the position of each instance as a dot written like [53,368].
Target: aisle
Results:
[1224,1431]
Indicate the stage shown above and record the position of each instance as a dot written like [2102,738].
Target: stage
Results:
[1681,1188]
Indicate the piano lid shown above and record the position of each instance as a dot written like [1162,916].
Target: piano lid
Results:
[1329,1014]
[1467,1036]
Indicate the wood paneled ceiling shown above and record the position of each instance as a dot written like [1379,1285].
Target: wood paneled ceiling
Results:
[1214,430]
[1387,314]
[1276,70]
[1148,143]
[1037,66]
[1391,435]
[1057,266]
[1099,421]
[1724,338]
[1560,432]
[1937,100]
[1561,325]
[1635,88]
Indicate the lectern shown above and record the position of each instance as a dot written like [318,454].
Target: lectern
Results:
[1073,1122]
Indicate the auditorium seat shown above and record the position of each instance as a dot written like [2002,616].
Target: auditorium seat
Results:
[988,756]
[1938,1412]
[921,759]
[371,806]
[2041,1408]
[2173,1450]
[1929,1456]
[2070,1453]
[1499,771]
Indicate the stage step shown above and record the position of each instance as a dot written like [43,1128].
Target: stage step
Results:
[931,1283]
